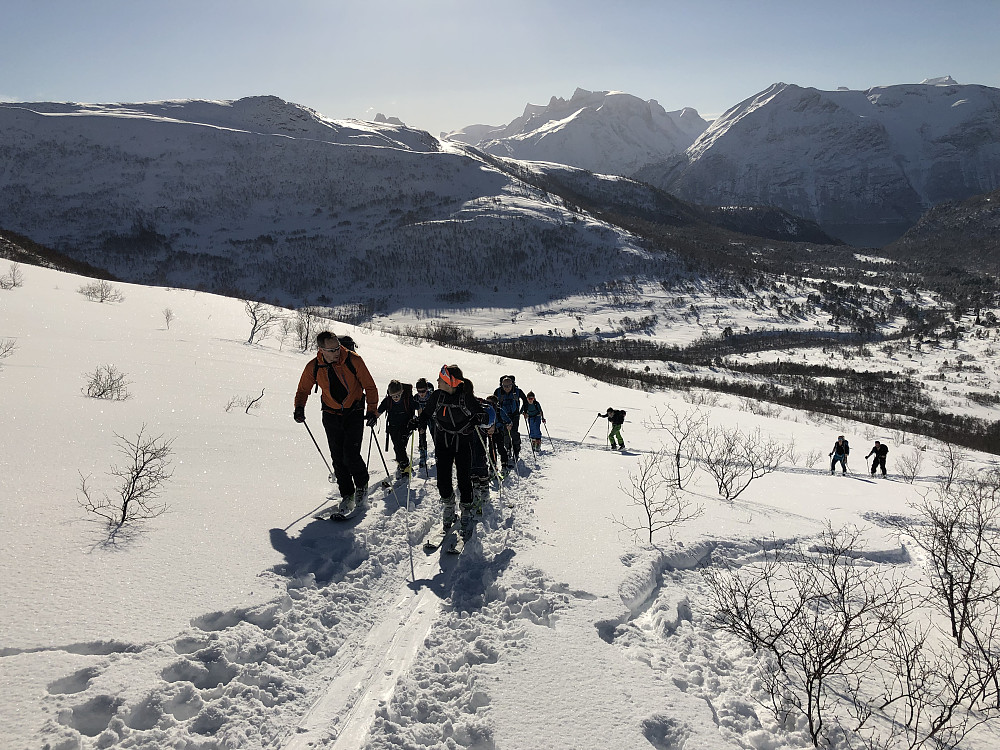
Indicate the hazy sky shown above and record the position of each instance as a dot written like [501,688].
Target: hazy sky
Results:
[441,65]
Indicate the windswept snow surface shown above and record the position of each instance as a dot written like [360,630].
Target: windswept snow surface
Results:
[237,620]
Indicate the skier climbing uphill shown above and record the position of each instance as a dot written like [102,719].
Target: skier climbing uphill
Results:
[534,416]
[346,387]
[455,412]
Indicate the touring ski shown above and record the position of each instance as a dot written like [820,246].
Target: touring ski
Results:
[435,538]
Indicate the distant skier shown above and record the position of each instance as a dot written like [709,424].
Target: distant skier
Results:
[840,451]
[424,392]
[880,451]
[455,412]
[511,400]
[499,434]
[346,386]
[534,416]
[616,418]
[398,406]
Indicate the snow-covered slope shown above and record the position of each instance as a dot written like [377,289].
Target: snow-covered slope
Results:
[609,132]
[863,164]
[236,620]
[269,199]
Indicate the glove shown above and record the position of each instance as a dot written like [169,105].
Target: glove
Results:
[482,418]
[371,418]
[413,424]
[543,420]
[300,414]
[599,414]
[830,455]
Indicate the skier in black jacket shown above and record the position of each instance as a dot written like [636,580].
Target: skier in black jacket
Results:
[398,406]
[616,418]
[880,451]
[455,412]
[839,453]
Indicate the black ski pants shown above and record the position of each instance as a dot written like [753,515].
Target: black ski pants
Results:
[879,461]
[454,451]
[400,436]
[515,435]
[498,445]
[345,432]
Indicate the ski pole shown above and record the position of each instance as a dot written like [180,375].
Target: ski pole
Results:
[388,476]
[370,440]
[549,436]
[590,428]
[409,543]
[493,467]
[330,477]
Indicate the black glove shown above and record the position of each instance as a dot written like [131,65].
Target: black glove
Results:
[413,424]
[371,418]
[300,414]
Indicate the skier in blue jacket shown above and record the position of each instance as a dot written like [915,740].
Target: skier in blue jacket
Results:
[511,399]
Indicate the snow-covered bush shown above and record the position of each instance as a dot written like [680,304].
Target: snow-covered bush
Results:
[101,291]
[108,382]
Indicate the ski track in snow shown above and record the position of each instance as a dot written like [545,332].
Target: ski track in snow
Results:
[354,648]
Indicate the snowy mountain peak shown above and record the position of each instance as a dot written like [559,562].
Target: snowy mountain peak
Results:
[940,81]
[865,165]
[608,132]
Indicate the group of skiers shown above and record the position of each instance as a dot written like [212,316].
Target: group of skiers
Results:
[473,438]
[841,449]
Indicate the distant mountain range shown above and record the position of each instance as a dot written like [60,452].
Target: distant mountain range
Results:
[271,200]
[608,132]
[864,165]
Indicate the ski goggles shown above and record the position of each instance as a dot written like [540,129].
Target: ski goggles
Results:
[447,378]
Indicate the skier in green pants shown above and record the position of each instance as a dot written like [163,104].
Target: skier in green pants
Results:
[616,418]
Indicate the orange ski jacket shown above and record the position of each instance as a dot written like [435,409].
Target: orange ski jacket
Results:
[342,384]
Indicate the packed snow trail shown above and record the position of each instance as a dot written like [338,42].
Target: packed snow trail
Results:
[364,675]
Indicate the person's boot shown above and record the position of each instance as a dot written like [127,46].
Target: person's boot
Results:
[448,514]
[467,524]
[348,503]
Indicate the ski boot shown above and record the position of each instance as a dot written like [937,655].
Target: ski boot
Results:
[467,524]
[448,514]
[348,503]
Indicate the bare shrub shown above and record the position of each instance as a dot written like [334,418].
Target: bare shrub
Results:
[245,402]
[13,278]
[652,488]
[168,316]
[101,291]
[684,429]
[812,458]
[909,464]
[957,527]
[701,398]
[951,461]
[735,459]
[140,480]
[107,382]
[7,347]
[305,323]
[262,317]
[822,620]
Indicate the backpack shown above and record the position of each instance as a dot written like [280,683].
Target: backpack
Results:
[441,409]
[504,377]
[617,417]
[348,343]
